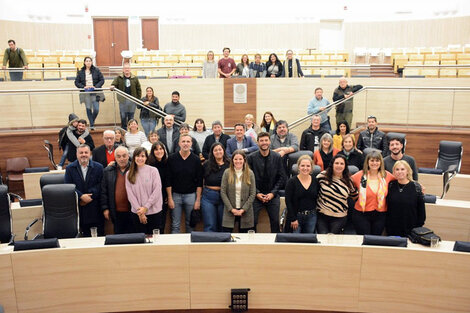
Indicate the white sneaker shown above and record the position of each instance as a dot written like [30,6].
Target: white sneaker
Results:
[59,168]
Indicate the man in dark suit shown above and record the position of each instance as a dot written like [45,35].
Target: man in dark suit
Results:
[86,175]
[240,142]
[104,154]
[217,136]
[81,127]
[169,132]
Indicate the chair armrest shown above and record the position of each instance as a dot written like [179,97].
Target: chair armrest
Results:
[452,168]
[14,196]
[12,240]
[29,227]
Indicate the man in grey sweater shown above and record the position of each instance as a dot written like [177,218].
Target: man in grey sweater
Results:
[175,108]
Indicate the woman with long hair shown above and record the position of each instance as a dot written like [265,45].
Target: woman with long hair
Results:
[212,205]
[144,191]
[238,191]
[336,187]
[323,156]
[158,158]
[243,68]
[274,66]
[372,182]
[405,201]
[301,198]
[341,131]
[199,132]
[268,123]
[120,138]
[149,120]
[252,129]
[89,78]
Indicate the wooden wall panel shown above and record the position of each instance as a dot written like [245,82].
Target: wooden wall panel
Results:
[235,112]
[7,285]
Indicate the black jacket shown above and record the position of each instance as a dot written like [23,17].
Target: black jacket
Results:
[210,140]
[99,155]
[275,168]
[355,158]
[162,134]
[108,188]
[311,138]
[376,140]
[72,154]
[338,94]
[98,82]
[279,65]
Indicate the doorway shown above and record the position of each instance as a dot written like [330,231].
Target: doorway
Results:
[150,33]
[111,37]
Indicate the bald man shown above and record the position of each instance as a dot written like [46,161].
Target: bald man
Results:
[344,111]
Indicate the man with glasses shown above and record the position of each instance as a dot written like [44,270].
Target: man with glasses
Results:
[372,137]
[104,154]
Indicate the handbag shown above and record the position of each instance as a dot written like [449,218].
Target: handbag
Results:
[422,235]
[195,218]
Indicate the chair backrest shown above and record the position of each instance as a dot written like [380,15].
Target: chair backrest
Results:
[315,171]
[401,136]
[50,152]
[5,215]
[366,151]
[294,157]
[17,165]
[352,169]
[36,169]
[450,153]
[48,179]
[60,203]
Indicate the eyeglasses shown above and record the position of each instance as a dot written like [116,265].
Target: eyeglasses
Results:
[108,138]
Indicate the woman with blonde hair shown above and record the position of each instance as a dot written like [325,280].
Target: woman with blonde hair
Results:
[405,201]
[353,156]
[301,198]
[209,68]
[372,182]
[252,129]
[238,191]
[144,192]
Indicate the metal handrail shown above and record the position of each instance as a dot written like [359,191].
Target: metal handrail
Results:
[336,103]
[438,66]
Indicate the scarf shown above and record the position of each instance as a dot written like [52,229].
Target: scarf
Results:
[294,68]
[363,191]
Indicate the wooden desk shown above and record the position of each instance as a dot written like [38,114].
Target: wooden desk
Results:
[23,216]
[459,186]
[32,189]
[450,219]
[85,276]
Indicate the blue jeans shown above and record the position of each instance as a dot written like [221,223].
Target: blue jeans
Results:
[326,125]
[127,111]
[64,156]
[92,107]
[212,208]
[148,124]
[16,76]
[182,201]
[307,223]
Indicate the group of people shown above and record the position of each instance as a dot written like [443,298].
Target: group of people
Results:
[137,180]
[226,66]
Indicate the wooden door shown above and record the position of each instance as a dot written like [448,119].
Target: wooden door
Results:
[111,37]
[150,34]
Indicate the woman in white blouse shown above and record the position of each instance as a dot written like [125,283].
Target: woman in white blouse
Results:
[134,137]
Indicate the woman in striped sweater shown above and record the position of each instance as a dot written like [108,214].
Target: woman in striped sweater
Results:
[335,189]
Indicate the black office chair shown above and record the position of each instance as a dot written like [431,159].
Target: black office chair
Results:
[50,152]
[353,169]
[60,216]
[6,225]
[366,151]
[448,163]
[294,157]
[36,169]
[48,179]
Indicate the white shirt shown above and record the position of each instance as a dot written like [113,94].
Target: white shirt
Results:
[238,189]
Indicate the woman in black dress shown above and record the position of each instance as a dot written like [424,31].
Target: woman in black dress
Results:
[405,200]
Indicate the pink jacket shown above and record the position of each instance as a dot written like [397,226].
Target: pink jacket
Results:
[147,190]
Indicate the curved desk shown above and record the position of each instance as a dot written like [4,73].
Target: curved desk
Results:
[85,276]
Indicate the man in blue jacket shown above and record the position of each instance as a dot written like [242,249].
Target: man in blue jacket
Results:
[240,142]
[86,175]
